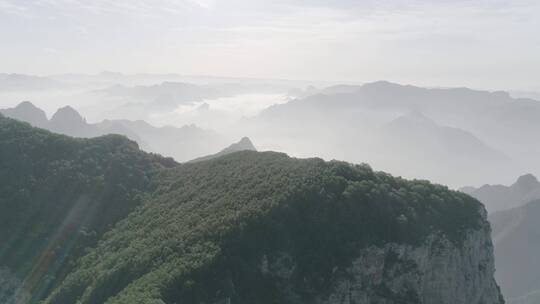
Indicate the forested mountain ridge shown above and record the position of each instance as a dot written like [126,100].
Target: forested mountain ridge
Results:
[264,227]
[246,227]
[58,195]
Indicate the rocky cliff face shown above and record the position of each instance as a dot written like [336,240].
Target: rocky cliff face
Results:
[437,272]
[434,272]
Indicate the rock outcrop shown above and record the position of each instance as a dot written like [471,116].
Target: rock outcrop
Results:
[437,272]
[434,272]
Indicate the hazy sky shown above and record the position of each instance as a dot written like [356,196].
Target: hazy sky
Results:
[488,44]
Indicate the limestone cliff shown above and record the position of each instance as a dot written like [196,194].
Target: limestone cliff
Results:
[434,272]
[437,272]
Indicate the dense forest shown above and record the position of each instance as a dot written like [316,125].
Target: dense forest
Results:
[99,221]
[58,195]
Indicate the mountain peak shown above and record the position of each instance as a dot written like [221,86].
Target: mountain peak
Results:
[68,114]
[244,144]
[27,105]
[527,182]
[27,111]
[68,121]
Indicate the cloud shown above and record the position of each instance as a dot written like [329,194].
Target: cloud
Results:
[12,8]
[206,4]
[342,39]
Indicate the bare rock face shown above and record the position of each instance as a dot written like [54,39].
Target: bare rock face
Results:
[437,272]
[434,272]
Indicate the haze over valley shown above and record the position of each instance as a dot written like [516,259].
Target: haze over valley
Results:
[453,136]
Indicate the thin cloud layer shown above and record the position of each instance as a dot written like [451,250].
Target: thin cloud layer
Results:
[438,43]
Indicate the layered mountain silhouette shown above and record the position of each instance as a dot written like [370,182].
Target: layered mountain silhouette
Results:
[492,131]
[418,146]
[500,197]
[168,140]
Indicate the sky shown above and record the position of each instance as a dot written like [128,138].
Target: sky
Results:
[491,44]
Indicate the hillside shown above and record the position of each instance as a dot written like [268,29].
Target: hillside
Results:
[59,195]
[246,227]
[265,227]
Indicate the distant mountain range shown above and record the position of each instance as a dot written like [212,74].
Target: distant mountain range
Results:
[500,197]
[430,133]
[183,143]
[490,134]
[418,144]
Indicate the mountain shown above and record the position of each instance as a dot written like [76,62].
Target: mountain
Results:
[99,221]
[516,233]
[499,197]
[338,121]
[68,121]
[426,136]
[244,144]
[416,145]
[168,140]
[28,112]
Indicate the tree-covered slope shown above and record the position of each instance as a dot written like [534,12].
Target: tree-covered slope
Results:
[59,195]
[211,230]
